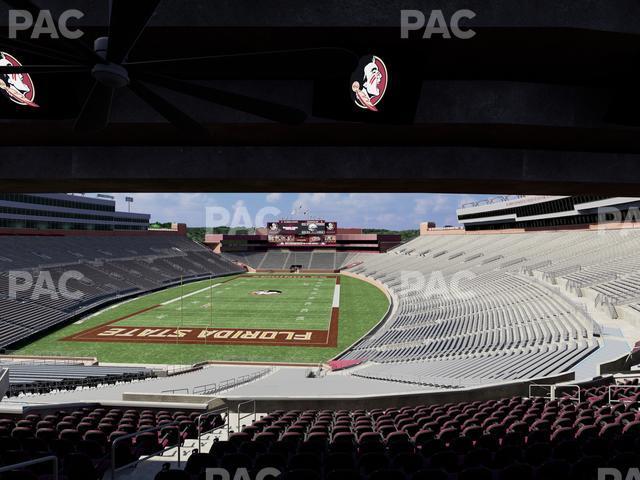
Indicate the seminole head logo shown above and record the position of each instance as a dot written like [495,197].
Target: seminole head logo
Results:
[369,82]
[18,87]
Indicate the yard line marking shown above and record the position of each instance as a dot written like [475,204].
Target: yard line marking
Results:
[189,294]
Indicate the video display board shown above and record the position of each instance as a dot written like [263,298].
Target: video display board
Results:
[297,232]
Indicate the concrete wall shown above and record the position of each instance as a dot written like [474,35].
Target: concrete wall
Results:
[623,363]
[4,382]
[519,388]
[167,398]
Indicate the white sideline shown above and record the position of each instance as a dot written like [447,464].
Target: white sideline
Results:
[336,297]
[189,294]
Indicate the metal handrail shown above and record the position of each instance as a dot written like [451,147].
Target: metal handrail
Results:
[229,383]
[217,411]
[114,470]
[176,390]
[204,389]
[248,414]
[555,387]
[18,466]
[610,387]
[178,370]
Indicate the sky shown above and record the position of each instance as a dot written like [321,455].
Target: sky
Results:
[393,211]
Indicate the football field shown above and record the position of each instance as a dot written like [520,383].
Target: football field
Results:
[284,318]
[246,302]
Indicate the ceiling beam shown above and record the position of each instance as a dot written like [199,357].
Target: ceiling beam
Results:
[317,169]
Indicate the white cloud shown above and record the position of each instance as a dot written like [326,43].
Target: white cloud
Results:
[426,205]
[169,207]
[364,210]
[238,204]
[274,197]
[351,209]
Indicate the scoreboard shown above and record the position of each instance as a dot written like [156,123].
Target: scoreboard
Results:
[302,232]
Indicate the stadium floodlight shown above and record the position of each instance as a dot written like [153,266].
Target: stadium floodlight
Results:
[129,201]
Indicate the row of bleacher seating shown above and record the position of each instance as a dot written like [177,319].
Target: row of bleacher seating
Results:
[516,438]
[468,306]
[110,267]
[513,438]
[82,438]
[486,369]
[38,378]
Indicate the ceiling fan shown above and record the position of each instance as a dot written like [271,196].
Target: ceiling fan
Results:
[108,65]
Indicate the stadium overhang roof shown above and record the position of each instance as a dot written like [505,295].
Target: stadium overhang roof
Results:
[524,106]
[317,169]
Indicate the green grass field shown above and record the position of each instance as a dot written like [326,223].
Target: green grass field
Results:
[304,303]
[362,305]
